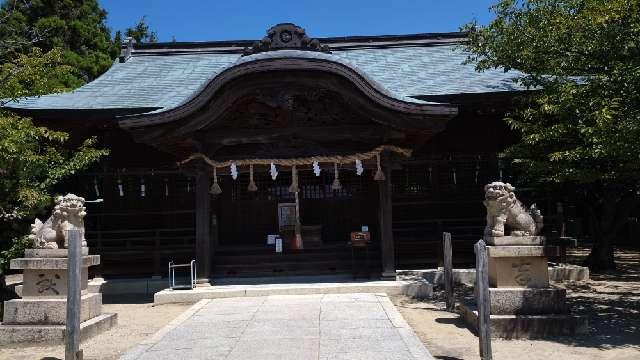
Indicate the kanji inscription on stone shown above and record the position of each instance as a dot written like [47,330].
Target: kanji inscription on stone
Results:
[47,284]
[522,272]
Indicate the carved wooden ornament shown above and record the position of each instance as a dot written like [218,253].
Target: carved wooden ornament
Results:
[286,36]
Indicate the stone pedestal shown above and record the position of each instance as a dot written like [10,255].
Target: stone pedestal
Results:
[40,315]
[523,305]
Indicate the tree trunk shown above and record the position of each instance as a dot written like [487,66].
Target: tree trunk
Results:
[601,258]
[609,214]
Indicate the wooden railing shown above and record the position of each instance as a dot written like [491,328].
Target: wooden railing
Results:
[141,251]
[418,242]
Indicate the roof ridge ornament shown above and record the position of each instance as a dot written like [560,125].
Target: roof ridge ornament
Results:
[286,36]
[126,49]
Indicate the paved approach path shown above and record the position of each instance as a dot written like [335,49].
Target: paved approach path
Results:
[300,327]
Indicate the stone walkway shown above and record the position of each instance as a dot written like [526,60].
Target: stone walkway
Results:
[321,327]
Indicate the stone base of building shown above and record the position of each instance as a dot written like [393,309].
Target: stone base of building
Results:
[389,276]
[526,326]
[54,334]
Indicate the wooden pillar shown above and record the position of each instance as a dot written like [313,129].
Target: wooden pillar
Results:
[74,286]
[386,220]
[203,215]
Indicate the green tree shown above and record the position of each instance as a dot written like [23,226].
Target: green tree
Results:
[141,32]
[77,27]
[33,159]
[580,126]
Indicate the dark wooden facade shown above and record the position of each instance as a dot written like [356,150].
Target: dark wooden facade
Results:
[137,235]
[284,107]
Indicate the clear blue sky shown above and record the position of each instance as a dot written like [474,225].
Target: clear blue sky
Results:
[200,20]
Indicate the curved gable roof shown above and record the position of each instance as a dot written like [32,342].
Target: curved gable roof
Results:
[159,81]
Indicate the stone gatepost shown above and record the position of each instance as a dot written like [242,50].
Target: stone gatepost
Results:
[522,303]
[40,315]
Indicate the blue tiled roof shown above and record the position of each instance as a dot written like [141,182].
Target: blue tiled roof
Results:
[165,81]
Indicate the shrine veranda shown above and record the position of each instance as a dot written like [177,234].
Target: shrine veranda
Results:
[390,135]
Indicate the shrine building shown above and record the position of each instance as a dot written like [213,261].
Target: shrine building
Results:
[215,146]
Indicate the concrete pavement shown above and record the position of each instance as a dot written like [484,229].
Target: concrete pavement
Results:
[321,327]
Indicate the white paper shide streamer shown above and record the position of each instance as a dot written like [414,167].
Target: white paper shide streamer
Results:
[120,188]
[273,171]
[143,188]
[95,186]
[234,170]
[316,168]
[359,168]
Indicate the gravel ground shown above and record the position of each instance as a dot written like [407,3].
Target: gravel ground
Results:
[610,301]
[137,319]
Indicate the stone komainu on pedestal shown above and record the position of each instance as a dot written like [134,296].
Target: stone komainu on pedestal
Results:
[68,214]
[523,305]
[40,315]
[503,208]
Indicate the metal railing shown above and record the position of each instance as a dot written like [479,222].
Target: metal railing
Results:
[192,274]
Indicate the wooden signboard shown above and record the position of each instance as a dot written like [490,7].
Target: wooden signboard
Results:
[286,216]
[360,238]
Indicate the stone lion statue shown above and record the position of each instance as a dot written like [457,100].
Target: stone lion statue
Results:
[67,214]
[504,209]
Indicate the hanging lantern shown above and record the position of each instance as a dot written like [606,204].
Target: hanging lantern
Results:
[143,189]
[120,188]
[455,178]
[234,170]
[273,171]
[95,186]
[166,187]
[316,168]
[215,187]
[379,176]
[336,181]
[359,168]
[252,185]
[294,180]
[188,184]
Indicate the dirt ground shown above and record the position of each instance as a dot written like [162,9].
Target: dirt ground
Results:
[137,319]
[611,302]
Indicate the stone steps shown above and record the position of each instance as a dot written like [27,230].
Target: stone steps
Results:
[224,291]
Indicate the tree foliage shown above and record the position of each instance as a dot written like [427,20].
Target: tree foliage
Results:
[141,32]
[581,124]
[46,46]
[34,159]
[77,27]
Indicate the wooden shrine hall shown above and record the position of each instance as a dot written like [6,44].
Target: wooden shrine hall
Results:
[219,148]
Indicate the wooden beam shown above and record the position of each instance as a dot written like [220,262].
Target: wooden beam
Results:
[448,272]
[319,133]
[203,210]
[484,301]
[74,286]
[386,220]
